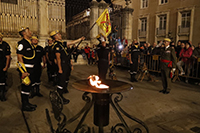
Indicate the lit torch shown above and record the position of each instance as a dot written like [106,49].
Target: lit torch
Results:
[94,81]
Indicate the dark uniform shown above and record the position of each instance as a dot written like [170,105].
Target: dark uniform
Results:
[75,53]
[46,50]
[135,53]
[53,66]
[63,78]
[4,51]
[168,57]
[38,68]
[103,63]
[26,49]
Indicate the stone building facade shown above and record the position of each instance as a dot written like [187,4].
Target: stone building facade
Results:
[153,20]
[148,20]
[82,22]
[41,16]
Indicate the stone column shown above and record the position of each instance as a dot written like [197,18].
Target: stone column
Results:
[127,22]
[93,17]
[102,6]
[43,21]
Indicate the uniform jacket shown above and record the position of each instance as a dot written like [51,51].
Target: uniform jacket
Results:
[26,49]
[4,51]
[39,54]
[61,47]
[186,54]
[167,54]
[196,52]
[135,52]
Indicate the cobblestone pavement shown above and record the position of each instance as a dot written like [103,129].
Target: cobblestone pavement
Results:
[177,112]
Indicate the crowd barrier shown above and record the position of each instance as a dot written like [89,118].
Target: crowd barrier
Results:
[153,65]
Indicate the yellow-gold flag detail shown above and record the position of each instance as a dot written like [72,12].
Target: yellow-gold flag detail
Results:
[104,22]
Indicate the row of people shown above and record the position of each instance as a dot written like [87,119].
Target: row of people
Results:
[58,61]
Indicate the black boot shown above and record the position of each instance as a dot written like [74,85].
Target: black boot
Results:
[60,92]
[55,81]
[65,88]
[49,76]
[2,93]
[38,91]
[3,96]
[32,92]
[132,78]
[26,106]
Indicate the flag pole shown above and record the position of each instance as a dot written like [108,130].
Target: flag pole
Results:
[82,40]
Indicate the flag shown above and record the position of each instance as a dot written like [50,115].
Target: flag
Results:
[104,22]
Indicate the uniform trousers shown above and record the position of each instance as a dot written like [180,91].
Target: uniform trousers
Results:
[134,66]
[48,71]
[2,79]
[54,71]
[25,89]
[37,74]
[102,68]
[166,80]
[63,78]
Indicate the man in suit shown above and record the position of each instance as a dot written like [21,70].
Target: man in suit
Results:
[168,65]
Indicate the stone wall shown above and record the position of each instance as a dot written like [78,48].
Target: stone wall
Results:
[41,16]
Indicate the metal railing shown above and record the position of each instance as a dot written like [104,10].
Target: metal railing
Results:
[192,69]
[161,32]
[184,29]
[142,33]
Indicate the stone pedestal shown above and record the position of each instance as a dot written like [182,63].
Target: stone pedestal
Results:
[93,17]
[43,21]
[127,22]
[102,6]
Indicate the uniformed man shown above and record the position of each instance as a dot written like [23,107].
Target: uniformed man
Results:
[26,56]
[103,59]
[5,59]
[49,63]
[134,58]
[39,58]
[167,64]
[63,62]
[52,61]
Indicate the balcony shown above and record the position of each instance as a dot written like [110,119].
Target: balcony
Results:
[142,34]
[183,30]
[161,32]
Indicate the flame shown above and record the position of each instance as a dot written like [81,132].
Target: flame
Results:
[94,81]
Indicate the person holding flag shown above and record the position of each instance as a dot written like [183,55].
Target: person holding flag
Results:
[103,50]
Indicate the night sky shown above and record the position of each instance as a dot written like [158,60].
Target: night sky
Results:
[83,4]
